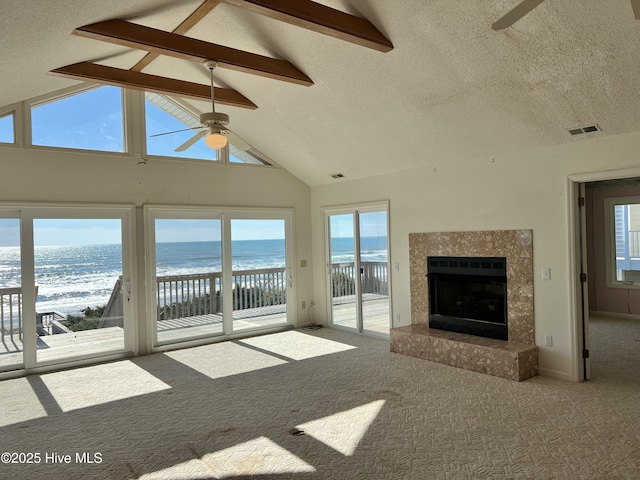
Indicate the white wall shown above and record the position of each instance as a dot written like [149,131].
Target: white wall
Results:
[64,176]
[526,190]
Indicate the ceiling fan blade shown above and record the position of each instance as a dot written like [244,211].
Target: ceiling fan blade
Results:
[175,131]
[516,14]
[635,4]
[191,141]
[236,141]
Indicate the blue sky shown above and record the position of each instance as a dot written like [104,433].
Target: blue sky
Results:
[6,129]
[91,120]
[52,232]
[210,230]
[372,224]
[9,232]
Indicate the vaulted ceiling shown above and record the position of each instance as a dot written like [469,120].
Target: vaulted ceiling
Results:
[452,89]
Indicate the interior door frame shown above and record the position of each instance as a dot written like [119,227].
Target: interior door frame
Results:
[355,210]
[579,307]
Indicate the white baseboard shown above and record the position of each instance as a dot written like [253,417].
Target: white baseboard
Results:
[544,372]
[614,315]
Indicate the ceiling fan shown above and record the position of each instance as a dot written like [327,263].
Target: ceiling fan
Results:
[526,6]
[214,124]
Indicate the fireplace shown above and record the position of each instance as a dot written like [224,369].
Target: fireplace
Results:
[468,295]
[516,358]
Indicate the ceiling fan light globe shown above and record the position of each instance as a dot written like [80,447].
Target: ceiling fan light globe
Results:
[216,141]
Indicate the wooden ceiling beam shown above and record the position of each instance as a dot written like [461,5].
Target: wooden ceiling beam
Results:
[319,18]
[188,23]
[93,72]
[131,35]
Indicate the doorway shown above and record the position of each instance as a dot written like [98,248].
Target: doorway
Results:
[604,241]
[357,268]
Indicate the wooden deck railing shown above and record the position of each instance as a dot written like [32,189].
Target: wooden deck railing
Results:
[180,296]
[373,275]
[11,313]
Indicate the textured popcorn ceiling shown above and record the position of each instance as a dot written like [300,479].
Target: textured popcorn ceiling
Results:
[452,89]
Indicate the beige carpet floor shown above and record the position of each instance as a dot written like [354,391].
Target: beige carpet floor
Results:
[323,405]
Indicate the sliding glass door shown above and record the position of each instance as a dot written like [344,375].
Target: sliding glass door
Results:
[11,315]
[217,272]
[78,274]
[260,277]
[65,275]
[358,268]
[342,271]
[374,271]
[188,278]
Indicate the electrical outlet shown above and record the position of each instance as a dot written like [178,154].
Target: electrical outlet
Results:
[304,304]
[397,318]
[548,341]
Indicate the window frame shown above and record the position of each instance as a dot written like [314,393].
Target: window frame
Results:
[153,212]
[611,279]
[70,92]
[14,110]
[27,213]
[134,128]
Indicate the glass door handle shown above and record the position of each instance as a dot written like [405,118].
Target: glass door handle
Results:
[126,290]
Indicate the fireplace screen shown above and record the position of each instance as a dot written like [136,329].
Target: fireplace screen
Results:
[468,295]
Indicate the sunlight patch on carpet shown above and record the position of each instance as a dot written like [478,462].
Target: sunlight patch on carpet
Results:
[297,345]
[343,431]
[19,402]
[224,359]
[255,457]
[99,384]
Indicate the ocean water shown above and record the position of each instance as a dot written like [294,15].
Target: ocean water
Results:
[71,278]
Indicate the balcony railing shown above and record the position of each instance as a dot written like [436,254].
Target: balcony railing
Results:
[373,276]
[180,296]
[11,313]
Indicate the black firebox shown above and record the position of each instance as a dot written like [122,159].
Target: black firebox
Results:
[468,295]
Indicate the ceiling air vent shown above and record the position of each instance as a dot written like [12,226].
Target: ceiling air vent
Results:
[337,175]
[587,129]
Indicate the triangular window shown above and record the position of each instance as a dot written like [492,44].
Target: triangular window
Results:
[89,120]
[164,119]
[241,152]
[7,131]
[171,123]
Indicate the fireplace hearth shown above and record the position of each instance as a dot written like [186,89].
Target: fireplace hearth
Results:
[515,358]
[468,295]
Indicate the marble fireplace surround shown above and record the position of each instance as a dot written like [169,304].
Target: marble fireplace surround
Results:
[516,358]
